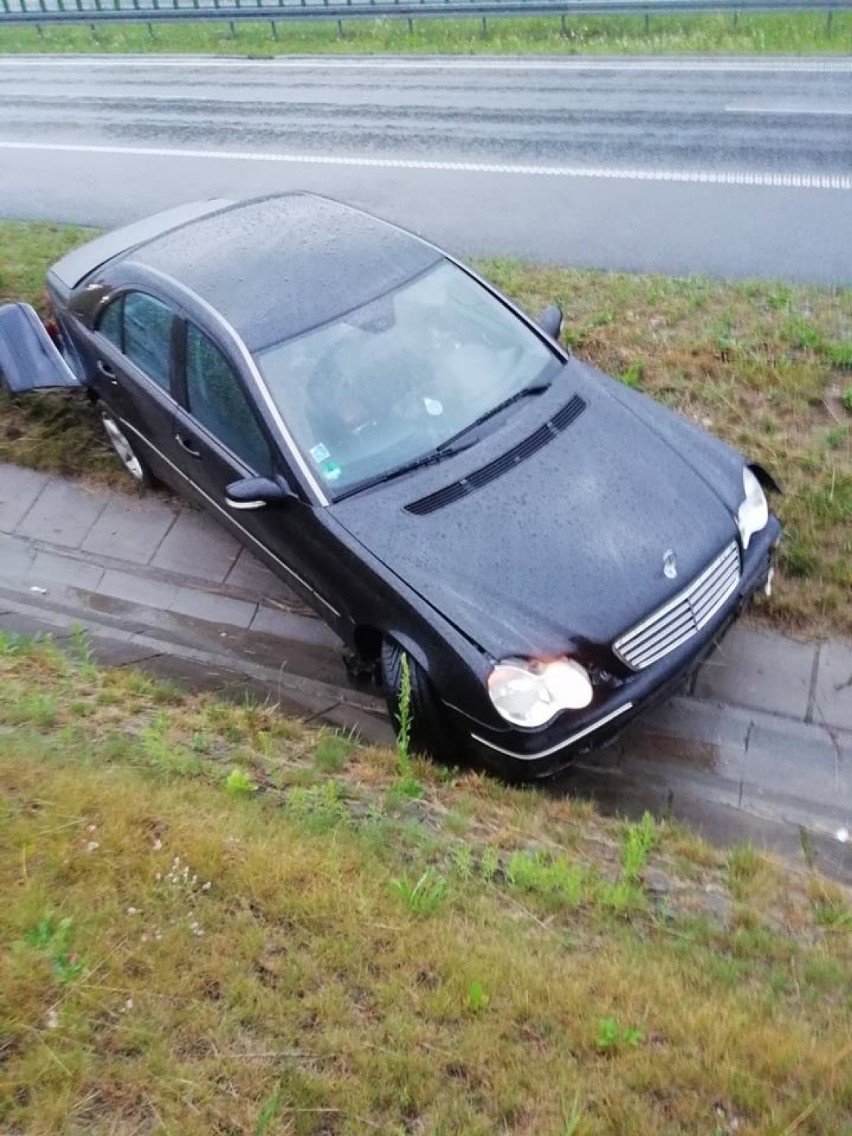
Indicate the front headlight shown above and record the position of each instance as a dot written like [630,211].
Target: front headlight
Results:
[529,693]
[753,513]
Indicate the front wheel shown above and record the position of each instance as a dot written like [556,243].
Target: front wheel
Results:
[431,730]
[135,465]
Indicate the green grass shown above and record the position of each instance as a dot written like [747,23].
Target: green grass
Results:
[754,33]
[181,958]
[761,363]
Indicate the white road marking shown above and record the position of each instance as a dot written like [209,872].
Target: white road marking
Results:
[705,177]
[788,109]
[808,65]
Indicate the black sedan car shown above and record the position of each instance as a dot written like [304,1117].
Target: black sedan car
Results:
[550,550]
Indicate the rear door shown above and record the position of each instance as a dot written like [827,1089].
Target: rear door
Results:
[29,359]
[131,357]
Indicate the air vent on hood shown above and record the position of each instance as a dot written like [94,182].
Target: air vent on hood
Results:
[523,450]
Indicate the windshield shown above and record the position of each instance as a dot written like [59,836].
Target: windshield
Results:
[390,382]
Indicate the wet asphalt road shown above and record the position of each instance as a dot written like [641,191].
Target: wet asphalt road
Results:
[733,167]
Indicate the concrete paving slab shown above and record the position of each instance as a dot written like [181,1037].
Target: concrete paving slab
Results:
[16,560]
[761,670]
[796,760]
[130,528]
[833,704]
[32,626]
[19,490]
[270,694]
[293,626]
[214,608]
[63,514]
[321,662]
[250,575]
[189,673]
[683,717]
[137,589]
[53,571]
[368,728]
[196,547]
[117,653]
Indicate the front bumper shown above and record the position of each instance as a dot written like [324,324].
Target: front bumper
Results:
[530,754]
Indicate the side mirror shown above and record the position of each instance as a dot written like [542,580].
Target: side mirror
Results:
[550,320]
[255,492]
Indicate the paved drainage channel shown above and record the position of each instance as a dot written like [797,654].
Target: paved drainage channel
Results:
[734,774]
[760,749]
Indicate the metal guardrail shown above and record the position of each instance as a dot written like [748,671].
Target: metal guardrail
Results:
[148,11]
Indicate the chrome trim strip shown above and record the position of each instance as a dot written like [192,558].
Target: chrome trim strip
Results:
[246,506]
[561,745]
[229,518]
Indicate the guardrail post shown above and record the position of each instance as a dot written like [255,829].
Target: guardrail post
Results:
[410,26]
[828,22]
[485,27]
[647,22]
[563,26]
[274,29]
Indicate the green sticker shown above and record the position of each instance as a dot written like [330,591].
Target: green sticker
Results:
[331,471]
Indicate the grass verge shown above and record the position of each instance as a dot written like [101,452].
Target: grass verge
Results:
[766,365]
[702,34]
[207,932]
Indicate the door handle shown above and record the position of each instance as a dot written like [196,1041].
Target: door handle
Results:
[187,445]
[108,373]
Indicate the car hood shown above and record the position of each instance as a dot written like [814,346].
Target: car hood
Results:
[563,550]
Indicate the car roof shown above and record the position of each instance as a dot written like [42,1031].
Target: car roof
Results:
[275,267]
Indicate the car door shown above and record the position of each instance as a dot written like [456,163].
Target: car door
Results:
[29,358]
[132,359]
[223,439]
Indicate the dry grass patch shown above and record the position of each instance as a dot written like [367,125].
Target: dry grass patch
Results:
[189,951]
[767,366]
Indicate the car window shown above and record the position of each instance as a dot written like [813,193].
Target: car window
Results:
[147,336]
[217,400]
[110,324]
[395,379]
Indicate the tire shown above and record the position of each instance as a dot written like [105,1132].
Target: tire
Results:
[135,465]
[432,732]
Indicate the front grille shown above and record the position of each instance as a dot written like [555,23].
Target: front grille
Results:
[684,616]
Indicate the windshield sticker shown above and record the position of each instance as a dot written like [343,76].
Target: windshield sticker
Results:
[319,453]
[331,471]
[433,407]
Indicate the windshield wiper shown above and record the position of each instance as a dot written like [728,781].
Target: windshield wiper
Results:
[447,449]
[524,392]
